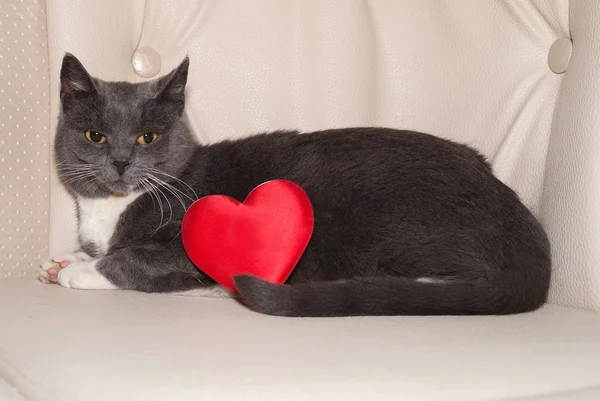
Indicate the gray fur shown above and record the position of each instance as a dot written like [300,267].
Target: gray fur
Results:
[390,207]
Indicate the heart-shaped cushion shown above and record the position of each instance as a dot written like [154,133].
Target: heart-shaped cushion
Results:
[264,236]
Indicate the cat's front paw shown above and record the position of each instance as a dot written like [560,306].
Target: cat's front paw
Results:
[84,276]
[48,271]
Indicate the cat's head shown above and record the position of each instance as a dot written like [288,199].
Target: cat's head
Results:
[113,136]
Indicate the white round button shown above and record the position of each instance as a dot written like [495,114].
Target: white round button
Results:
[560,55]
[146,62]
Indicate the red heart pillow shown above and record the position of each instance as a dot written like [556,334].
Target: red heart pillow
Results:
[264,236]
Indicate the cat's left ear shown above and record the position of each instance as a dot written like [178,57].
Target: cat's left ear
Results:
[171,87]
[75,82]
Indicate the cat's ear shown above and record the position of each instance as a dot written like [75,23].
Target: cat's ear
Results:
[74,79]
[171,87]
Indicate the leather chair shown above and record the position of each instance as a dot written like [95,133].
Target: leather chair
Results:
[517,79]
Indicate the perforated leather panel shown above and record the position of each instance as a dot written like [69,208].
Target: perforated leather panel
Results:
[24,137]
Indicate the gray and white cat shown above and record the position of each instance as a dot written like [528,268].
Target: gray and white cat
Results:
[405,223]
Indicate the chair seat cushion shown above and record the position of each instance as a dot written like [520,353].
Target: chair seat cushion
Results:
[58,343]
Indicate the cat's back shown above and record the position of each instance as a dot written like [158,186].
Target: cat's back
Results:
[392,164]
[361,144]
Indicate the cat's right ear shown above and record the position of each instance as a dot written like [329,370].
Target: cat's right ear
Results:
[75,81]
[171,87]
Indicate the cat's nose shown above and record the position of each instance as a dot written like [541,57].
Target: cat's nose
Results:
[121,165]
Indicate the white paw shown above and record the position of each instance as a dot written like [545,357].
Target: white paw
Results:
[84,276]
[44,276]
[56,264]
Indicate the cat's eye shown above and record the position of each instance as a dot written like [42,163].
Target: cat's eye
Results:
[95,137]
[147,138]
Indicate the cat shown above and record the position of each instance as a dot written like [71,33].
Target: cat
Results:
[406,223]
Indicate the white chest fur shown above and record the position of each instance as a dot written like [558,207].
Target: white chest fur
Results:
[98,218]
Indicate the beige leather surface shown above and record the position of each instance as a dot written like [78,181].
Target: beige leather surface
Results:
[471,70]
[475,71]
[24,138]
[571,196]
[95,346]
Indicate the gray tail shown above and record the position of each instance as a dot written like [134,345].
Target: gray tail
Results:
[506,294]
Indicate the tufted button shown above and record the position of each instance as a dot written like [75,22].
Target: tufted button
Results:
[560,55]
[146,62]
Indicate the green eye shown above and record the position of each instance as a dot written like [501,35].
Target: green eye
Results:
[95,137]
[147,138]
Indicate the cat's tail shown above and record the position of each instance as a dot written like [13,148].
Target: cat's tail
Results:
[508,293]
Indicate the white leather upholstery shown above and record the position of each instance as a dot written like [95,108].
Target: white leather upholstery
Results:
[571,193]
[470,70]
[475,72]
[130,346]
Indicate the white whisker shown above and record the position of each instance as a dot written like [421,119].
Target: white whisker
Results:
[178,180]
[154,194]
[79,177]
[160,191]
[92,182]
[174,191]
[146,189]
